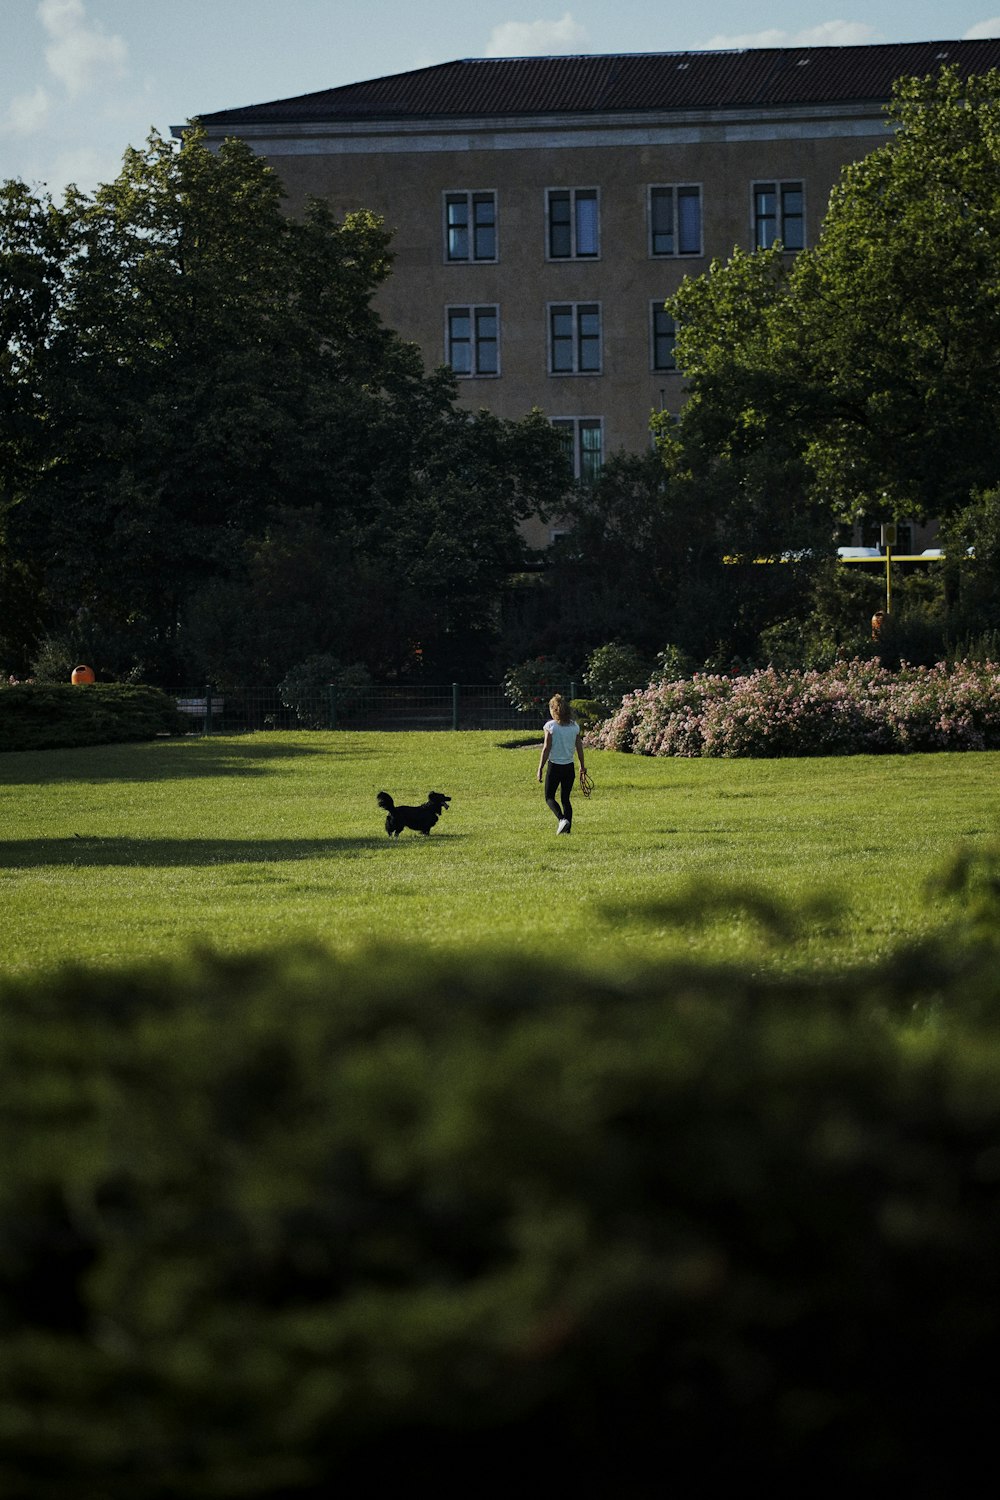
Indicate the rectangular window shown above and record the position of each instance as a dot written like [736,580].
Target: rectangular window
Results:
[470,230]
[573,223]
[675,220]
[664,336]
[779,214]
[575,338]
[583,443]
[473,339]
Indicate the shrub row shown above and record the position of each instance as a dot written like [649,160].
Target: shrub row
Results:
[57,716]
[271,1223]
[855,708]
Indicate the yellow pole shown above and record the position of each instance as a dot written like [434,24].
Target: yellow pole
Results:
[888,578]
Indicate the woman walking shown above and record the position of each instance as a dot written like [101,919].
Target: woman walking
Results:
[562,740]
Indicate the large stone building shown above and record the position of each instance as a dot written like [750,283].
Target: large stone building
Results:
[543,208]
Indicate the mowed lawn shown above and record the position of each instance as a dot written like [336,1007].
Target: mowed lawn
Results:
[240,842]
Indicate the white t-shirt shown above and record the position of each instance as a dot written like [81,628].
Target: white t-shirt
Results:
[563,742]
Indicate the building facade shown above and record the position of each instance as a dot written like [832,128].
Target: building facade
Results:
[542,209]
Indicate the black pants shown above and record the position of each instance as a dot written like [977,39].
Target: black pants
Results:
[560,779]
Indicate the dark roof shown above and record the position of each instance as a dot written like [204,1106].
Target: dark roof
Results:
[628,83]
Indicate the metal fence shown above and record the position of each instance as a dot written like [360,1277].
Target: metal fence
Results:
[216,710]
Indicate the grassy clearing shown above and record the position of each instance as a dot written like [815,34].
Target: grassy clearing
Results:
[126,851]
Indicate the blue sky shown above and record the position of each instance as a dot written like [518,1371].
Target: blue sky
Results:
[80,80]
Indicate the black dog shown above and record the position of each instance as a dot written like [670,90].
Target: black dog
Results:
[421,819]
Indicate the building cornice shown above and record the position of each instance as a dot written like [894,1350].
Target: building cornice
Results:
[501,133]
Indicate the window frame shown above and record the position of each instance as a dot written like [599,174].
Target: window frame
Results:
[576,309]
[657,310]
[470,197]
[574,196]
[472,310]
[780,185]
[674,189]
[576,427]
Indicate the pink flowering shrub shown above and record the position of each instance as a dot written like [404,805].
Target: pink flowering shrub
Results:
[667,718]
[854,708]
[678,728]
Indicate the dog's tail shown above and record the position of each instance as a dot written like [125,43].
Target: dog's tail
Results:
[384,800]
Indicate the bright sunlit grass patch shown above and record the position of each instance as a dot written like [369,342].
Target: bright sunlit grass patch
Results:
[126,851]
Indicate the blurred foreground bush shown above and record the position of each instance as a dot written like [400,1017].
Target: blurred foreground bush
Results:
[275,1222]
[47,716]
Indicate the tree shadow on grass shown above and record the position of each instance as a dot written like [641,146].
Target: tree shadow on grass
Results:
[161,760]
[88,851]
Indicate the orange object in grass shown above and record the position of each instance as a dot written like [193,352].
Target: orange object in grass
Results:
[82,674]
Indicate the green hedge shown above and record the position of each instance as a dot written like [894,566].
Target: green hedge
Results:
[275,1222]
[587,711]
[57,716]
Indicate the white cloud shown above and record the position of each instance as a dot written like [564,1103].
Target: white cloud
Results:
[826,34]
[982,29]
[86,166]
[79,54]
[537,38]
[27,113]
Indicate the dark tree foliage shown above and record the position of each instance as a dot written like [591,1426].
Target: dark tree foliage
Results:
[32,249]
[186,371]
[659,556]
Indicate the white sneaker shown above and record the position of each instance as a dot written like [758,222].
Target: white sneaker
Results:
[563,826]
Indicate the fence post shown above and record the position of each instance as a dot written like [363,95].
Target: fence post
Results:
[572,691]
[332,690]
[208,708]
[454,705]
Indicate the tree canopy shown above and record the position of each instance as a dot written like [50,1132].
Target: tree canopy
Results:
[198,401]
[860,377]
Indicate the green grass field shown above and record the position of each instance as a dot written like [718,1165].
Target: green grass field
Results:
[126,851]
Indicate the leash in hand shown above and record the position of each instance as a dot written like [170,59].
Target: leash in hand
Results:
[586,783]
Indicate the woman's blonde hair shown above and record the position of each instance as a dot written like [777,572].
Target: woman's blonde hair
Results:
[560,709]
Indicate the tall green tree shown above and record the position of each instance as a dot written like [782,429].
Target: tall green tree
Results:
[32,252]
[861,377]
[201,365]
[32,255]
[857,380]
[738,452]
[899,309]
